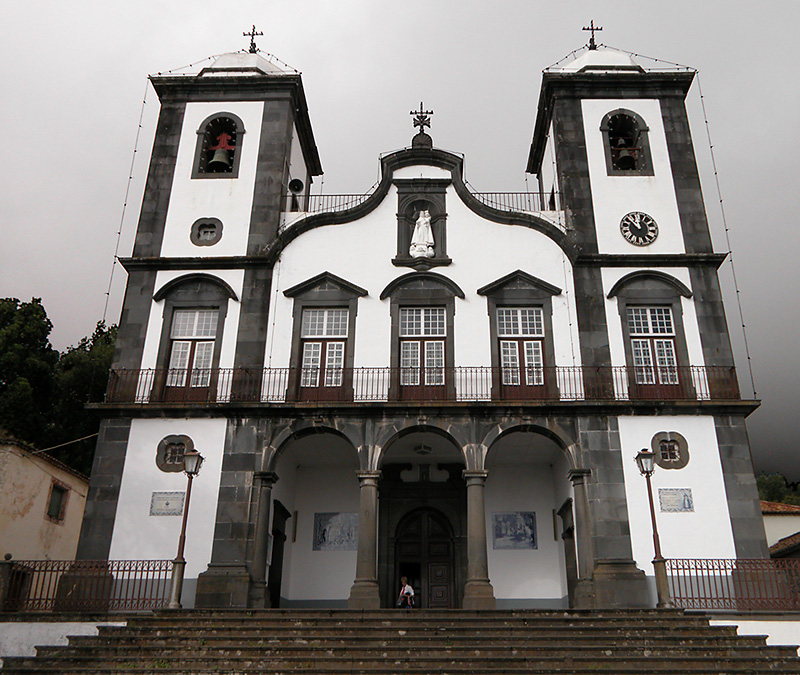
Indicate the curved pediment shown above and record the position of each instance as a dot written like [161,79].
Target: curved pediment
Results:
[422,281]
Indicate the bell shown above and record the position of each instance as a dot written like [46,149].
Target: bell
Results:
[219,161]
[626,160]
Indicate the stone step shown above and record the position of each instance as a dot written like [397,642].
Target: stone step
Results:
[249,639]
[428,664]
[301,652]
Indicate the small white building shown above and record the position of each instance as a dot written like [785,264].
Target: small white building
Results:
[424,380]
[41,504]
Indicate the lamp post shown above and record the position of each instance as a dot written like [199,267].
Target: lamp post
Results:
[192,461]
[646,461]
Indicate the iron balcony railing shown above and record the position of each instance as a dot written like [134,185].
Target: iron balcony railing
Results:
[522,202]
[85,585]
[739,585]
[460,384]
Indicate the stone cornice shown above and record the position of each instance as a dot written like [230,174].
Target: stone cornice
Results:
[209,263]
[650,260]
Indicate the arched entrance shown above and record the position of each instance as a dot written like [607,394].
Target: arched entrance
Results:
[422,518]
[424,553]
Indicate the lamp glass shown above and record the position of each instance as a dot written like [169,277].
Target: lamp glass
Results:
[192,461]
[646,461]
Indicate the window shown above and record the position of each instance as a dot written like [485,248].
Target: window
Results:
[652,335]
[422,359]
[192,347]
[520,323]
[626,144]
[219,141]
[521,334]
[57,502]
[206,232]
[324,336]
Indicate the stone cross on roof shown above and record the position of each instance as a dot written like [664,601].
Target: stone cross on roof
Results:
[252,34]
[593,28]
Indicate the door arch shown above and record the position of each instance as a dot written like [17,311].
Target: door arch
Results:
[424,552]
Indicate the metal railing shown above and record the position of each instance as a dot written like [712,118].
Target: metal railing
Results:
[326,203]
[460,384]
[740,585]
[523,202]
[84,585]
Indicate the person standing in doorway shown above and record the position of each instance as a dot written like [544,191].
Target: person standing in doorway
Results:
[406,599]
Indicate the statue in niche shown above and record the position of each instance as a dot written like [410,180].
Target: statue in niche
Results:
[422,239]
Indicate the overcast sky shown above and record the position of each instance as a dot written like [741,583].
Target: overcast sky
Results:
[74,77]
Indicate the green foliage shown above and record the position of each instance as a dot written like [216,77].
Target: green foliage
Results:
[27,367]
[775,488]
[43,393]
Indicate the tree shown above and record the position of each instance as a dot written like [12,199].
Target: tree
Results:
[27,369]
[81,376]
[43,394]
[775,488]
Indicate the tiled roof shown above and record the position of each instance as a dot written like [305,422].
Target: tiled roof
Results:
[777,509]
[785,545]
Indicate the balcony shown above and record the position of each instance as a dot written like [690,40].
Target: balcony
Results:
[443,385]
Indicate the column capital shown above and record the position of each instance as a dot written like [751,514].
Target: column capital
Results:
[578,476]
[267,477]
[475,476]
[368,477]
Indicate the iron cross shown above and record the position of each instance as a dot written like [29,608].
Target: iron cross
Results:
[252,35]
[421,117]
[593,28]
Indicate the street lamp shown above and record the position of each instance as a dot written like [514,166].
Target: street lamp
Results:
[646,461]
[192,461]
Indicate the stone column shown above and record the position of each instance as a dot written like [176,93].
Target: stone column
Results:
[266,479]
[364,592]
[584,593]
[478,592]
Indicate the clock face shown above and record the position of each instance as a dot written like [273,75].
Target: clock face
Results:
[638,228]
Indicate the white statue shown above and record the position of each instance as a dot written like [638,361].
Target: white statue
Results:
[422,239]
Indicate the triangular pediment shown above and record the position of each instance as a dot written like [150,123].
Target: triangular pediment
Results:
[325,283]
[521,281]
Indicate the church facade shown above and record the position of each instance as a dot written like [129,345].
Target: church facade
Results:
[423,381]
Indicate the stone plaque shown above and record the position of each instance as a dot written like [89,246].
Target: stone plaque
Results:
[167,503]
[675,500]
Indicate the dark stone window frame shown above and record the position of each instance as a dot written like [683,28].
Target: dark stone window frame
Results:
[324,291]
[194,291]
[427,290]
[237,154]
[653,289]
[64,489]
[414,194]
[194,234]
[646,169]
[530,292]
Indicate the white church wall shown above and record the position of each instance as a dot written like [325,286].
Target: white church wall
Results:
[525,574]
[691,329]
[704,532]
[482,252]
[234,278]
[321,575]
[229,199]
[297,166]
[140,536]
[614,196]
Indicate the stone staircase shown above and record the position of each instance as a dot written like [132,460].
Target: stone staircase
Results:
[384,642]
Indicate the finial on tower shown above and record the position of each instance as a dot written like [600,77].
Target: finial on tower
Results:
[252,35]
[593,28]
[421,120]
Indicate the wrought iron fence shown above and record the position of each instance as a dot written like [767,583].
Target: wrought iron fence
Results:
[740,585]
[85,585]
[520,201]
[460,384]
[530,202]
